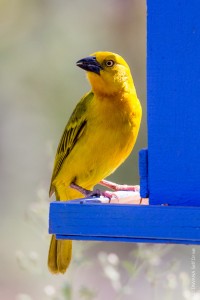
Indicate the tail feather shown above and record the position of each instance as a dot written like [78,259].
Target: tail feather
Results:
[64,255]
[60,253]
[52,258]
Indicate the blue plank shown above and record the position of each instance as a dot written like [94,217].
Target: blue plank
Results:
[173,83]
[96,221]
[143,170]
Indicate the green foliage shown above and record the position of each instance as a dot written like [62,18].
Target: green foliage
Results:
[86,293]
[66,291]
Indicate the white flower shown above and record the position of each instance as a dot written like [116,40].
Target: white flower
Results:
[111,273]
[33,256]
[196,296]
[185,279]
[187,294]
[171,280]
[49,290]
[154,260]
[113,259]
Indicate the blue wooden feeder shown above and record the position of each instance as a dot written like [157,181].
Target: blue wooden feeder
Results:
[170,168]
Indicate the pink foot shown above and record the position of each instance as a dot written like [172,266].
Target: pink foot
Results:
[119,187]
[95,193]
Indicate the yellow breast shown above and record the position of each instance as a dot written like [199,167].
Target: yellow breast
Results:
[110,135]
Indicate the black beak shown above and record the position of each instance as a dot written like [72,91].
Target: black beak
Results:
[90,64]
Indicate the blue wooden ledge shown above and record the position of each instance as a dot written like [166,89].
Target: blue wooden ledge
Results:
[88,219]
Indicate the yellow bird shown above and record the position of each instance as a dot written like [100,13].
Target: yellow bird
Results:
[98,137]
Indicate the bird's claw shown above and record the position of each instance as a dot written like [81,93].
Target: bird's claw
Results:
[106,194]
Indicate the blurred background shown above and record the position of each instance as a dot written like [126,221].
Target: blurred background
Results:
[40,84]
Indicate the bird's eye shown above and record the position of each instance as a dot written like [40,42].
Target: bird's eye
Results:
[109,63]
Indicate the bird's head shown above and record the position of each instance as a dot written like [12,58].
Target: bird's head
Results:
[108,73]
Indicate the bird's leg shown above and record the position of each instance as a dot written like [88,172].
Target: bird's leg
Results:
[119,187]
[88,193]
[85,192]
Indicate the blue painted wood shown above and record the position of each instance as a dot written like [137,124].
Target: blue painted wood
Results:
[173,82]
[116,222]
[143,170]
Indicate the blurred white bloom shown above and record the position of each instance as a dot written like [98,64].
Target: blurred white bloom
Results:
[185,279]
[196,296]
[171,280]
[113,259]
[33,256]
[21,259]
[28,262]
[49,290]
[154,259]
[110,258]
[109,263]
[23,297]
[19,255]
[111,273]
[187,294]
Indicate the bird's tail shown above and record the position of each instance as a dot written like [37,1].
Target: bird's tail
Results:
[60,251]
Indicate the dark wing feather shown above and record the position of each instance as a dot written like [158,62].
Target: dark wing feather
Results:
[73,131]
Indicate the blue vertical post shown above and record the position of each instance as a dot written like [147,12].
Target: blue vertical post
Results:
[173,82]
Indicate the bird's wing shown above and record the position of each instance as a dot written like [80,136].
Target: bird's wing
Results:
[72,133]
